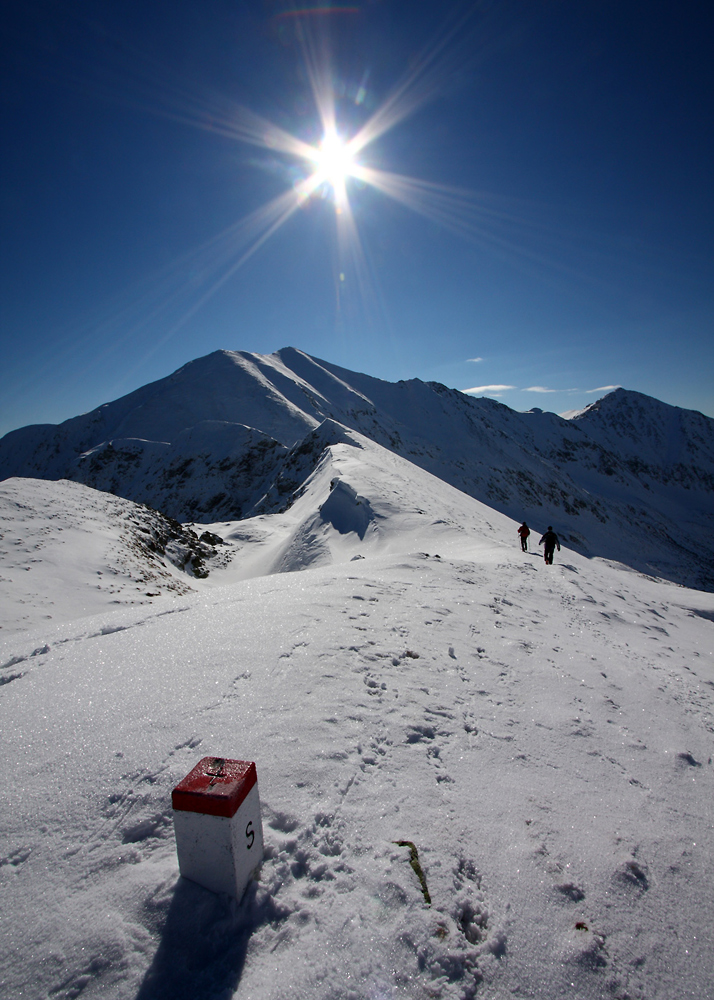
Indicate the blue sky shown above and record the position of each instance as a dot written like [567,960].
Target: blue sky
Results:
[550,231]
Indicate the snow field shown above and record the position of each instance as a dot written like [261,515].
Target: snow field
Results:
[530,730]
[68,551]
[542,735]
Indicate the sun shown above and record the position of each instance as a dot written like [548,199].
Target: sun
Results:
[326,168]
[334,162]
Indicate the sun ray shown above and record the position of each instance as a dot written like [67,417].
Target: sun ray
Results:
[169,293]
[420,86]
[225,118]
[128,76]
[353,268]
[317,60]
[291,201]
[468,216]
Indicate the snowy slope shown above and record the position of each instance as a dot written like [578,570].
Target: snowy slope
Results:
[67,550]
[358,499]
[629,478]
[398,670]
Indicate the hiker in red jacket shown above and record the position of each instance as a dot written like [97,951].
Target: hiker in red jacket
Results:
[524,532]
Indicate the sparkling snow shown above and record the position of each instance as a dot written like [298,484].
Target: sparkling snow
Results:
[399,671]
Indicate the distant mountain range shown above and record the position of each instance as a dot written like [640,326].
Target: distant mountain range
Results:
[235,434]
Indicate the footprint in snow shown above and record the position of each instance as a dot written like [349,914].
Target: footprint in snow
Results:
[417,733]
[686,760]
[373,686]
[16,858]
[470,911]
[570,891]
[7,678]
[303,858]
[369,756]
[583,947]
[280,821]
[632,875]
[157,825]
[12,662]
[454,937]
[138,814]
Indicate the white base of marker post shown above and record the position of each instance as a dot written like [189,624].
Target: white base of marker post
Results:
[219,832]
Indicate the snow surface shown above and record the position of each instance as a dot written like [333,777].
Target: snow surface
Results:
[399,671]
[68,551]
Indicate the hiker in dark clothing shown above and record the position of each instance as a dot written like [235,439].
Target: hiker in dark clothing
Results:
[551,540]
[524,532]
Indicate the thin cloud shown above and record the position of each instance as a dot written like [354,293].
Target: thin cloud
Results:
[488,390]
[474,360]
[604,388]
[538,388]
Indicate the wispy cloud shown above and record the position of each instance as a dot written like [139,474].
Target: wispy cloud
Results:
[538,388]
[488,390]
[474,360]
[604,388]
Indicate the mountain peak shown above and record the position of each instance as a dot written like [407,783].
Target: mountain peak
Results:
[654,433]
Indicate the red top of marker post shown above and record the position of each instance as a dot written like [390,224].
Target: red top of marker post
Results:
[216,786]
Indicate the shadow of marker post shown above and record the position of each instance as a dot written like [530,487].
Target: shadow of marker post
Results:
[203,945]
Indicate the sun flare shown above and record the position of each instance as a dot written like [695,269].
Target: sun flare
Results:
[335,162]
[324,171]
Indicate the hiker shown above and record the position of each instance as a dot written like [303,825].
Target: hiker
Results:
[551,540]
[524,532]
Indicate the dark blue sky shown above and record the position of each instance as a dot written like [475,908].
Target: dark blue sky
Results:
[561,231]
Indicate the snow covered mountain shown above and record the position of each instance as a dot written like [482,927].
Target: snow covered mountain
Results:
[400,672]
[629,478]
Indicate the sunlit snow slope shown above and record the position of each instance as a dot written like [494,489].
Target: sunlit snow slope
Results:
[67,550]
[399,671]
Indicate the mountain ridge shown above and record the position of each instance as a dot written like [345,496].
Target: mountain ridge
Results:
[628,478]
